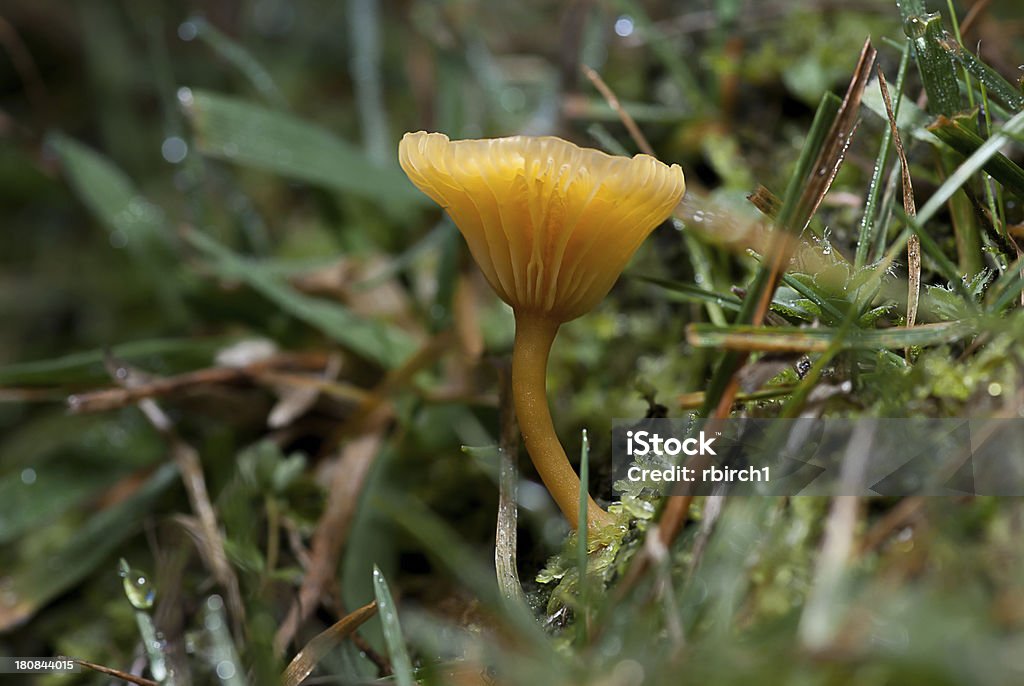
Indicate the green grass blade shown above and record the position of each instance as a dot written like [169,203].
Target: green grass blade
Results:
[400,662]
[936,69]
[953,133]
[970,167]
[867,223]
[582,530]
[249,134]
[693,293]
[237,56]
[997,86]
[87,367]
[110,195]
[797,339]
[373,339]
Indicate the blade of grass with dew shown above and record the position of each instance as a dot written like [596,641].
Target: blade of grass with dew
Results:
[248,134]
[237,56]
[995,198]
[37,580]
[581,538]
[867,223]
[691,401]
[940,82]
[703,271]
[139,591]
[960,41]
[400,662]
[86,367]
[372,339]
[937,74]
[799,339]
[222,655]
[998,87]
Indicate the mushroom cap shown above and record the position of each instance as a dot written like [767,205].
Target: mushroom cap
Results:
[551,224]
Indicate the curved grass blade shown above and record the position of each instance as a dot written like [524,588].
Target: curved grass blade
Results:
[400,661]
[303,664]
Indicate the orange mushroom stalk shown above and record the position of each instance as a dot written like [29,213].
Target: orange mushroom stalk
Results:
[552,226]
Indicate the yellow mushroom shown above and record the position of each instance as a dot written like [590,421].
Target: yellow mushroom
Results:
[552,226]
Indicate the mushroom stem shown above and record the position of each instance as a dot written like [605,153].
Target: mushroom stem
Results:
[534,336]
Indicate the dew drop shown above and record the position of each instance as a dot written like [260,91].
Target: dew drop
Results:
[225,669]
[174,149]
[137,587]
[188,30]
[624,26]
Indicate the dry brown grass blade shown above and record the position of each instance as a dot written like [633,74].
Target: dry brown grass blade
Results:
[765,201]
[113,398]
[110,671]
[613,102]
[303,664]
[840,136]
[914,243]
